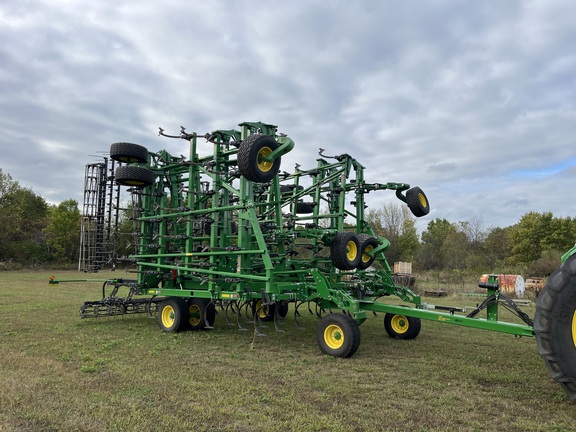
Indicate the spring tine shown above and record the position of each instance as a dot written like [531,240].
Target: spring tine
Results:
[310,309]
[375,314]
[277,322]
[238,323]
[257,331]
[228,322]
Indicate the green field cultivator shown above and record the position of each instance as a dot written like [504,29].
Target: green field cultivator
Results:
[230,233]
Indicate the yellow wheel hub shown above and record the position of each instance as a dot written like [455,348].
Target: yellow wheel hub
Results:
[574,328]
[334,336]
[365,257]
[351,251]
[422,199]
[260,310]
[264,165]
[399,324]
[168,316]
[195,315]
[134,182]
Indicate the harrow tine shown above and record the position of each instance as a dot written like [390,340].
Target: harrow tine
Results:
[238,317]
[297,314]
[310,309]
[206,325]
[277,321]
[228,321]
[257,330]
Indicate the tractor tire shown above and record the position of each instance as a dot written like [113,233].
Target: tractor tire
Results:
[250,155]
[417,202]
[265,313]
[345,250]
[128,153]
[367,244]
[201,313]
[134,176]
[173,314]
[402,327]
[338,335]
[555,325]
[304,208]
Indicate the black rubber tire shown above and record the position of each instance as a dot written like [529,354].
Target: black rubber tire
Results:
[128,153]
[173,314]
[265,313]
[338,335]
[282,309]
[201,312]
[304,208]
[367,244]
[134,176]
[251,149]
[402,327]
[417,202]
[345,250]
[555,325]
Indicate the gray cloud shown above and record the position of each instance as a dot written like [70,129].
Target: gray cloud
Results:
[459,98]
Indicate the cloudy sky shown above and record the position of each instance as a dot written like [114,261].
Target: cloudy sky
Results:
[472,101]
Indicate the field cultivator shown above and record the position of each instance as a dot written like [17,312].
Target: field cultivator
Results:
[231,232]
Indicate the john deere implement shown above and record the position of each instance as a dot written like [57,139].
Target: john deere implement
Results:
[223,228]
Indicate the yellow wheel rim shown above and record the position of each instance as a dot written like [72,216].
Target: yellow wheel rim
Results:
[264,165]
[334,336]
[168,316]
[128,159]
[422,199]
[351,251]
[134,182]
[195,315]
[260,310]
[574,328]
[399,324]
[365,257]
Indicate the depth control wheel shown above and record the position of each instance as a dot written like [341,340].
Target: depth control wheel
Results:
[201,313]
[345,250]
[402,327]
[338,335]
[173,314]
[265,313]
[251,158]
[367,245]
[417,202]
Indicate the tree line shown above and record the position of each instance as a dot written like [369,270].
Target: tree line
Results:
[35,232]
[533,246]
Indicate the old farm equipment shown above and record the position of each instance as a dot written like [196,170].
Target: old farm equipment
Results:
[231,231]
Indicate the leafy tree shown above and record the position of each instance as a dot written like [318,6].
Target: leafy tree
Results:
[23,215]
[63,231]
[408,242]
[497,247]
[395,223]
[529,235]
[432,253]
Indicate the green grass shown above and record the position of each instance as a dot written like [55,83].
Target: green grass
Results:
[62,373]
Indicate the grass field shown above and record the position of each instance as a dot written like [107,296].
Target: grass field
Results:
[62,373]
